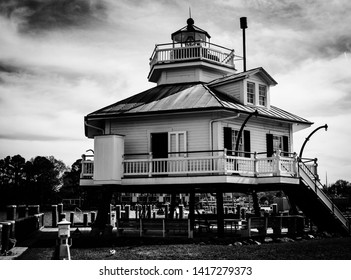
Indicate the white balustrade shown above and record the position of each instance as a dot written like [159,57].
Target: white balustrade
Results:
[218,164]
[168,53]
[87,169]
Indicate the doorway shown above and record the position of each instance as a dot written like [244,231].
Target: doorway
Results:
[159,145]
[159,149]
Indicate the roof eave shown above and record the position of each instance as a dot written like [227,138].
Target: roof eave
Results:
[193,110]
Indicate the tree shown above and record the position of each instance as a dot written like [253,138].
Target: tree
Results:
[12,178]
[35,181]
[340,188]
[47,175]
[60,169]
[71,187]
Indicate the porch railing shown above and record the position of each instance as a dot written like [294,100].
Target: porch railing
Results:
[136,165]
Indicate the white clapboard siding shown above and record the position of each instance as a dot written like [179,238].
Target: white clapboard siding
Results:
[258,130]
[234,89]
[137,131]
[180,75]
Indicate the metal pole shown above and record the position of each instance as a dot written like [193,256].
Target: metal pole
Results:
[309,136]
[243,26]
[241,130]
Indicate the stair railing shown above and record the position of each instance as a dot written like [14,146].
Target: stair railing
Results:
[313,182]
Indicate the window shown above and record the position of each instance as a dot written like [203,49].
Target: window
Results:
[250,92]
[177,143]
[230,138]
[235,134]
[262,92]
[277,142]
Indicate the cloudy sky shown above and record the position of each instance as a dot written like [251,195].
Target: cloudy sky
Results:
[62,59]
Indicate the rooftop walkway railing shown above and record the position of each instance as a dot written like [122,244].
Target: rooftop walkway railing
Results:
[172,52]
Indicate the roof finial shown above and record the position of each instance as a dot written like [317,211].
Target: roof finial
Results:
[190,21]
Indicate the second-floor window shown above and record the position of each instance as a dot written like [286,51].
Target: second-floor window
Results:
[230,138]
[262,95]
[177,143]
[277,142]
[235,134]
[250,93]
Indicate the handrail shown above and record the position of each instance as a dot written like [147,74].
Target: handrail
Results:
[196,44]
[318,190]
[228,56]
[305,160]
[173,52]
[200,151]
[193,152]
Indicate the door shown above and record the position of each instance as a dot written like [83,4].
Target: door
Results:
[159,145]
[159,149]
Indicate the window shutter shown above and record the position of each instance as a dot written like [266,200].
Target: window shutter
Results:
[269,145]
[286,146]
[247,143]
[227,139]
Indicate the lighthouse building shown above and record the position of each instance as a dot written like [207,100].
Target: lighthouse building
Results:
[204,127]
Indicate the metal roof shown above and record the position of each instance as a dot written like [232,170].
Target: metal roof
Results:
[186,97]
[243,75]
[190,27]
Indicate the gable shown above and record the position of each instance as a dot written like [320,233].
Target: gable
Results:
[258,78]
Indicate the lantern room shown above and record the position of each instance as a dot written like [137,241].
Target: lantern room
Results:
[191,57]
[190,35]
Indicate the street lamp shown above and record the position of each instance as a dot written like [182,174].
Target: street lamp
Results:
[309,136]
[255,113]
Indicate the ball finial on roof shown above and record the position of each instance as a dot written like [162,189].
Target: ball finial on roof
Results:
[190,21]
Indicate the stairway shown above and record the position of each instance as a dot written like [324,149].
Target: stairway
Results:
[316,205]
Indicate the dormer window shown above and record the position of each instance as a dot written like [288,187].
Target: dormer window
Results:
[262,95]
[250,93]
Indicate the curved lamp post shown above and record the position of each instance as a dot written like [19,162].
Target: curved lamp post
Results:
[241,130]
[309,136]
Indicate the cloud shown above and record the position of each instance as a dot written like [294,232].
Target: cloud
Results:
[36,137]
[299,31]
[39,15]
[316,88]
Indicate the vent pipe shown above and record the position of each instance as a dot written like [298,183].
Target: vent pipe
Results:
[243,26]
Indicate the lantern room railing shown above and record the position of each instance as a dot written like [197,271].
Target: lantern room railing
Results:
[166,53]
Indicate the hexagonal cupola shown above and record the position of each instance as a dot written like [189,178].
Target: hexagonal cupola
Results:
[190,57]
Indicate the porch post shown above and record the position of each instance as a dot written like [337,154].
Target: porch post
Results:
[83,166]
[224,162]
[220,213]
[150,164]
[316,168]
[296,165]
[255,165]
[277,170]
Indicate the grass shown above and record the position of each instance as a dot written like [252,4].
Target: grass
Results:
[335,248]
